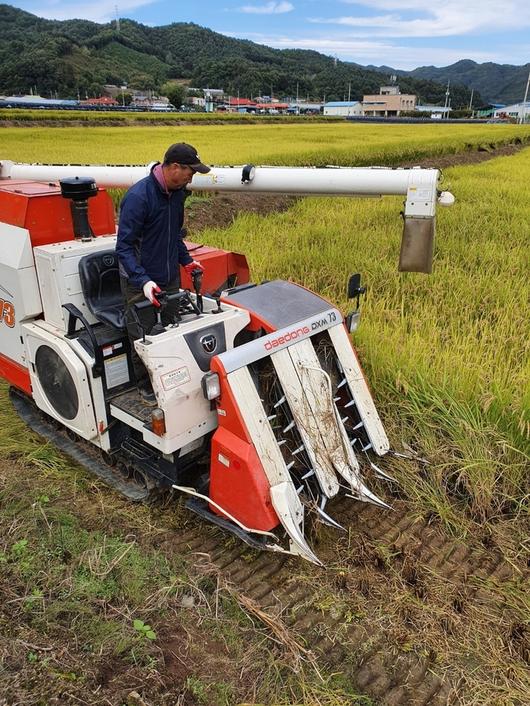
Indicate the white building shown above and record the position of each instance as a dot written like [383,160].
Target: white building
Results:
[343,108]
[519,111]
[436,111]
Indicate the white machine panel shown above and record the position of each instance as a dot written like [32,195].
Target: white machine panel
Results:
[66,385]
[176,376]
[19,292]
[57,269]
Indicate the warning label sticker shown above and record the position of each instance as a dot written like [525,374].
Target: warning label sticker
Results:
[116,371]
[175,378]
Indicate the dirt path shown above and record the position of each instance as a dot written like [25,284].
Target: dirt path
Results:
[409,615]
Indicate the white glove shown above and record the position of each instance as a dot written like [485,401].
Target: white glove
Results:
[150,289]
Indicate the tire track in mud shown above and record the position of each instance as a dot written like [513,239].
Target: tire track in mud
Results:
[393,545]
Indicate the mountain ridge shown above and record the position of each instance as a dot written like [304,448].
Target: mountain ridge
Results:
[80,56]
[504,83]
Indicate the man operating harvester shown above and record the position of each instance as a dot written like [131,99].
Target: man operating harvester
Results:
[150,248]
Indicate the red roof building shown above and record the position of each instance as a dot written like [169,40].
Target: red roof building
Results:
[238,105]
[240,102]
[103,100]
[276,107]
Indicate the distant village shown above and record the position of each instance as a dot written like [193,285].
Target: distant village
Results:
[388,103]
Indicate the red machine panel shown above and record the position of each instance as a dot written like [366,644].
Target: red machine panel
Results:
[40,208]
[223,269]
[236,472]
[15,374]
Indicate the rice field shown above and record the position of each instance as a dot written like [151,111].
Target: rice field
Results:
[313,144]
[447,352]
[447,355]
[28,115]
[448,360]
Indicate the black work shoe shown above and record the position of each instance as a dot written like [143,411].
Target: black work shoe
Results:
[148,396]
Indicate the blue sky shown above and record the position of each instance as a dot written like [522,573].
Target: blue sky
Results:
[399,33]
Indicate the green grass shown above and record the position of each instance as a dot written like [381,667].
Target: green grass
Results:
[282,144]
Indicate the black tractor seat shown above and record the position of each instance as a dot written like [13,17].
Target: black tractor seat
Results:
[100,281]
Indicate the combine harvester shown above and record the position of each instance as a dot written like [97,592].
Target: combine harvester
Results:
[263,413]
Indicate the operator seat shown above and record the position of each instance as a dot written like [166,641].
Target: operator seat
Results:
[100,281]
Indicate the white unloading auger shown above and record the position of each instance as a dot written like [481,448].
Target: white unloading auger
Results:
[419,186]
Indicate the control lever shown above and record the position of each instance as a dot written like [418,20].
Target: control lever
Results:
[218,302]
[159,327]
[162,298]
[196,277]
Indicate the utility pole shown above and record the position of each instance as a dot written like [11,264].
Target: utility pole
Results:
[297,106]
[523,113]
[349,91]
[117,18]
[471,99]
[446,106]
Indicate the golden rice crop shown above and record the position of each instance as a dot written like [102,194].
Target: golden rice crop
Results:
[447,355]
[281,144]
[117,117]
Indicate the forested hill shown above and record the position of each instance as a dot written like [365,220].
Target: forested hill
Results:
[67,56]
[498,83]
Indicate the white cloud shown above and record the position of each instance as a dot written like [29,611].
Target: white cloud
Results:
[270,8]
[449,18]
[97,11]
[365,51]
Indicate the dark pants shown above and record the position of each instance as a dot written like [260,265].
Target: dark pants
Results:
[147,318]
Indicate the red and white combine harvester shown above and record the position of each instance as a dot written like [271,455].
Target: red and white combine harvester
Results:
[263,414]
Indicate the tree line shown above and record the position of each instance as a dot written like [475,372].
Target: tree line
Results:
[78,57]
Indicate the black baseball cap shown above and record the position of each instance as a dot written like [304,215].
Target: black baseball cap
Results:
[185,154]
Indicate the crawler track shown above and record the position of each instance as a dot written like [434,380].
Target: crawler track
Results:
[381,554]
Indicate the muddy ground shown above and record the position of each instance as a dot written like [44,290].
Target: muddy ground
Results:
[405,614]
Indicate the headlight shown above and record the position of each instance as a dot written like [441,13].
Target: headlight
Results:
[352,321]
[211,386]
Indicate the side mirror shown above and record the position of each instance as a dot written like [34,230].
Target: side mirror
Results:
[354,287]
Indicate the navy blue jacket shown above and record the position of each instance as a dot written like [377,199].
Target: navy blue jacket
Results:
[149,244]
